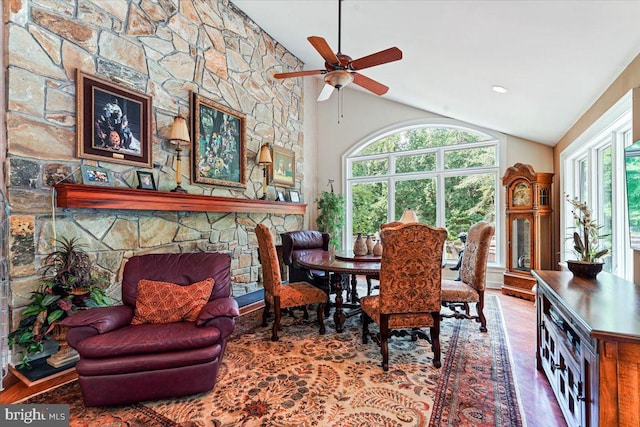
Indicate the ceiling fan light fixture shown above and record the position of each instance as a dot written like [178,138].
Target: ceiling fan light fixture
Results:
[338,78]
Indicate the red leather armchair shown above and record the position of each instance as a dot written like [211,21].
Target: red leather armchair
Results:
[123,363]
[294,241]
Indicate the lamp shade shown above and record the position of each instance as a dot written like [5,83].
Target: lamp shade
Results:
[179,132]
[264,158]
[408,216]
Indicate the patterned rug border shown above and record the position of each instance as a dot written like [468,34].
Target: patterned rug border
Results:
[502,358]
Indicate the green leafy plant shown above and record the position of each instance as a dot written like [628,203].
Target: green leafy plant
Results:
[586,238]
[66,286]
[331,217]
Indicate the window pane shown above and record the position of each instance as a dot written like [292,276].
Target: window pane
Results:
[458,159]
[369,206]
[419,195]
[417,163]
[468,199]
[583,174]
[370,167]
[606,215]
[423,138]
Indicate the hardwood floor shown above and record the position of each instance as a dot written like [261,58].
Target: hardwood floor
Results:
[540,407]
[539,403]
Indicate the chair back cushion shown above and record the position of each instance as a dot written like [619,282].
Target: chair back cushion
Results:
[410,269]
[473,270]
[271,279]
[301,240]
[182,269]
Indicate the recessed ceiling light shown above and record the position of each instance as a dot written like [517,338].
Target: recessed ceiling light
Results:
[499,89]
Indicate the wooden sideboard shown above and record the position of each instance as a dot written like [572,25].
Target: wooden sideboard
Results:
[588,345]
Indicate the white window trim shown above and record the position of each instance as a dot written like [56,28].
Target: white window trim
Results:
[497,139]
[609,128]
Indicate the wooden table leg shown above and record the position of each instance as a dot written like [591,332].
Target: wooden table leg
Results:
[338,317]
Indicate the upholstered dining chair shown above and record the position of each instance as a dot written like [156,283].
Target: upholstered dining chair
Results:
[410,280]
[279,296]
[370,285]
[457,294]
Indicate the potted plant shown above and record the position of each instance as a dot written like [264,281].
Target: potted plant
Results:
[586,241]
[331,217]
[66,286]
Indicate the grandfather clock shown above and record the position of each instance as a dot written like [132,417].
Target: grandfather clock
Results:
[528,219]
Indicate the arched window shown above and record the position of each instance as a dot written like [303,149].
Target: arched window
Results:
[445,171]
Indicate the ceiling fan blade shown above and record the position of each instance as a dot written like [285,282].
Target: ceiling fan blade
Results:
[323,49]
[382,57]
[298,74]
[369,84]
[327,90]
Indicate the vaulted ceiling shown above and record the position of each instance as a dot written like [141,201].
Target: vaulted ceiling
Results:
[555,58]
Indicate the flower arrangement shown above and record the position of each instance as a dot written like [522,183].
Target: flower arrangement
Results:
[587,237]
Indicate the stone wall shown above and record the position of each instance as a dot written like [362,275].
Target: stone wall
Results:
[165,49]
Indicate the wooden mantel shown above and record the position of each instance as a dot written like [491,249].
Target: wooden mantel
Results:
[96,197]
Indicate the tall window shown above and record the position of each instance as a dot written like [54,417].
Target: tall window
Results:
[594,169]
[447,173]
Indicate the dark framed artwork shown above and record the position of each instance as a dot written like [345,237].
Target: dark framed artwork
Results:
[95,175]
[294,196]
[283,168]
[113,122]
[146,181]
[218,154]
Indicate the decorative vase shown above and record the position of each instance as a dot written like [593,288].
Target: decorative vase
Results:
[359,246]
[377,249]
[586,270]
[370,244]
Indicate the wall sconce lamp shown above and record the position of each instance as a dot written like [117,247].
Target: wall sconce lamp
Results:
[179,136]
[409,216]
[264,159]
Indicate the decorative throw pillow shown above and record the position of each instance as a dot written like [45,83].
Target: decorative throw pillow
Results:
[163,302]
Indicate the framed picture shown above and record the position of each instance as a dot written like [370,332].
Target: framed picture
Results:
[294,196]
[283,168]
[146,181]
[94,175]
[280,196]
[113,122]
[218,154]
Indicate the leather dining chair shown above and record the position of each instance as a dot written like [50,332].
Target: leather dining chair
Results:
[410,280]
[279,296]
[458,294]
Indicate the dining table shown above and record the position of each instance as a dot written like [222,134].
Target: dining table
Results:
[337,265]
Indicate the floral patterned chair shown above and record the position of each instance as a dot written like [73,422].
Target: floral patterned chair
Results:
[281,296]
[456,295]
[409,295]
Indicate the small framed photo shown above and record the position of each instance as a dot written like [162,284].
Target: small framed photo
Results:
[94,175]
[114,122]
[294,196]
[280,196]
[283,169]
[146,181]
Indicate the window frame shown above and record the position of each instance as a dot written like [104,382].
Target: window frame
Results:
[493,139]
[613,130]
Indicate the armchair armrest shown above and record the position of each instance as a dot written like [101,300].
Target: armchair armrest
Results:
[220,307]
[102,319]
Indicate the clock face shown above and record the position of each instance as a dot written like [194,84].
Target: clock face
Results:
[521,195]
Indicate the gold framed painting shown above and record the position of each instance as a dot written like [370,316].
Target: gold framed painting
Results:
[218,153]
[113,122]
[283,168]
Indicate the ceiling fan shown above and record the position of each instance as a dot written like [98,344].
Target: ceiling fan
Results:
[340,69]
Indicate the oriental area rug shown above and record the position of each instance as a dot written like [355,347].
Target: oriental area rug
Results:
[334,380]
